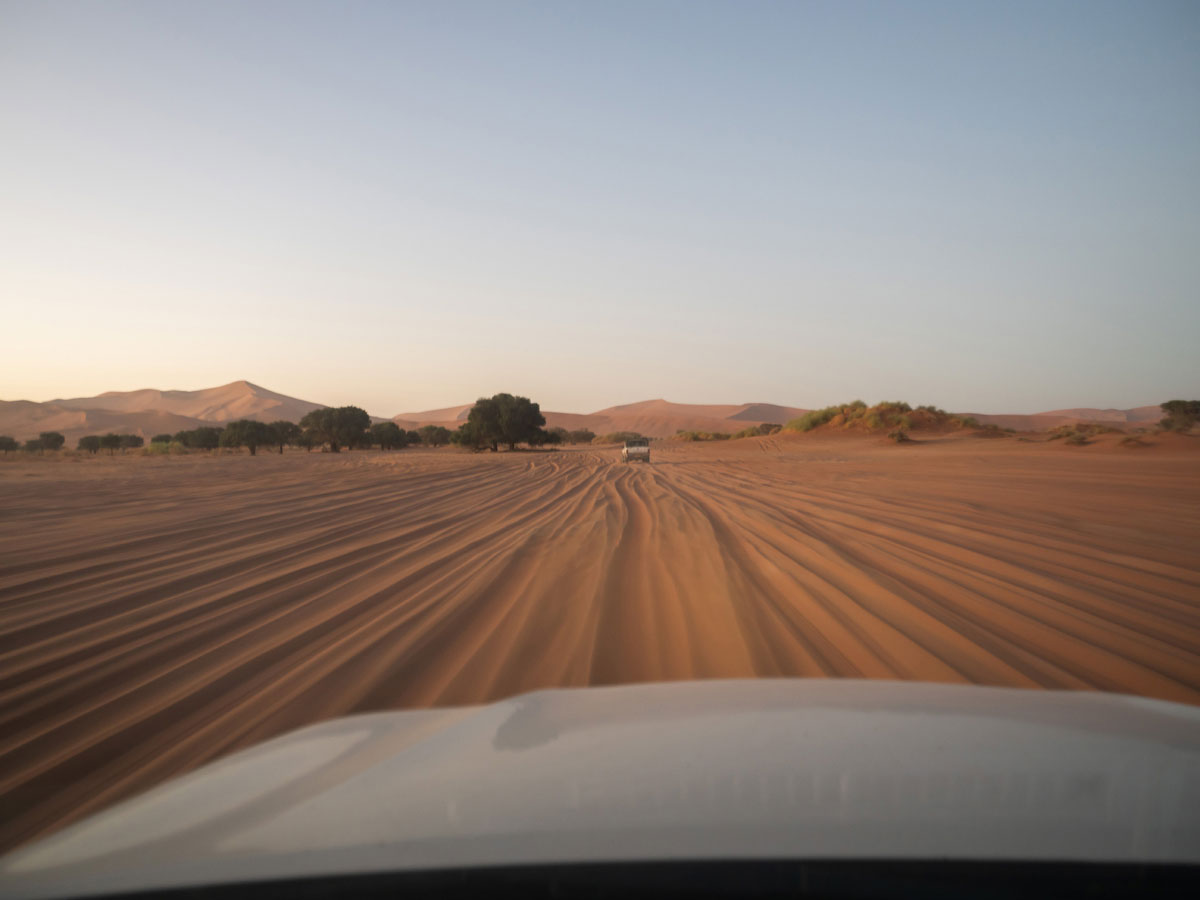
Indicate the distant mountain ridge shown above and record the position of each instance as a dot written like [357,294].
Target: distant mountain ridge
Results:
[150,411]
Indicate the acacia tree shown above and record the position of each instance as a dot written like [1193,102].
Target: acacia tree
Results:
[161,439]
[90,443]
[504,419]
[110,442]
[203,438]
[343,425]
[434,435]
[33,445]
[1180,415]
[131,442]
[8,444]
[284,433]
[388,435]
[52,440]
[247,433]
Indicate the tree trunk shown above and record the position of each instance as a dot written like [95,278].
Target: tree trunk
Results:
[252,449]
[334,448]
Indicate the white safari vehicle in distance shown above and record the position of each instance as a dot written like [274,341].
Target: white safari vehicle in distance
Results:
[637,448]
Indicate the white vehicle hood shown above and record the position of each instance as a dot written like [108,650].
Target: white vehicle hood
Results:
[763,769]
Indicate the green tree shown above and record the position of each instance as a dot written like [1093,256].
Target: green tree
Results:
[202,438]
[581,436]
[505,419]
[131,442]
[34,445]
[110,442]
[52,440]
[284,433]
[161,439]
[247,433]
[545,437]
[434,435]
[388,435]
[8,444]
[1179,415]
[338,427]
[90,443]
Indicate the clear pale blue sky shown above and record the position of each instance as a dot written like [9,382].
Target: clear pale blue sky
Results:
[987,206]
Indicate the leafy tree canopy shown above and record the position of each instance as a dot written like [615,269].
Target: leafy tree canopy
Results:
[1180,415]
[8,444]
[434,435]
[34,445]
[284,433]
[389,435]
[505,419]
[90,443]
[110,442]
[132,441]
[52,440]
[338,427]
[161,439]
[247,433]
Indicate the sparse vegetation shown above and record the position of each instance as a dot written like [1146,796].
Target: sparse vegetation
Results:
[1077,438]
[247,433]
[1179,415]
[161,439]
[33,445]
[618,437]
[434,435]
[8,444]
[51,440]
[581,436]
[890,415]
[758,431]
[1082,430]
[110,442]
[701,436]
[202,438]
[131,442]
[89,443]
[388,435]
[1133,441]
[900,436]
[342,426]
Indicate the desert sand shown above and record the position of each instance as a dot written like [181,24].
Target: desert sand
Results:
[158,612]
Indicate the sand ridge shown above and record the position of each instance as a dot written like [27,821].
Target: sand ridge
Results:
[158,612]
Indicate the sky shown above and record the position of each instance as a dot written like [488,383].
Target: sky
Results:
[989,207]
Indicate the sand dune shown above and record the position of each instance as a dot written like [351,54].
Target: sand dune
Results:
[654,418]
[237,400]
[23,419]
[158,612]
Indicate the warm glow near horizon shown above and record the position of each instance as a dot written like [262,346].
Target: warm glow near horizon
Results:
[407,206]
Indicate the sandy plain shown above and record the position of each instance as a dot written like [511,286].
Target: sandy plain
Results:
[158,612]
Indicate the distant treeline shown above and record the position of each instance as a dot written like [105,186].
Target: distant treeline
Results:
[507,420]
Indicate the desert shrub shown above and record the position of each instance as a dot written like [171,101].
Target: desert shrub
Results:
[1132,441]
[546,437]
[434,435]
[247,433]
[33,445]
[900,436]
[700,436]
[161,439]
[813,419]
[618,437]
[964,421]
[1179,415]
[992,431]
[581,436]
[1076,438]
[156,448]
[746,433]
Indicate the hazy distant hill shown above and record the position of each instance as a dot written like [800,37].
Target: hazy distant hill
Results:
[655,418]
[149,412]
[238,400]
